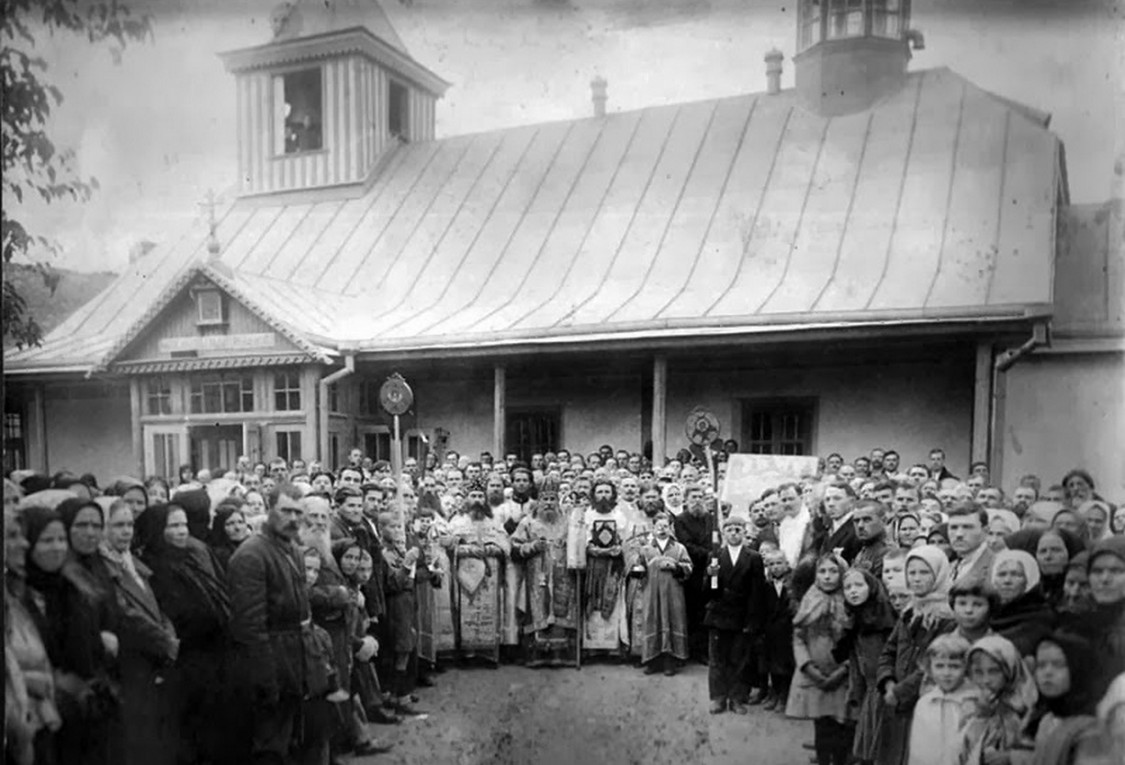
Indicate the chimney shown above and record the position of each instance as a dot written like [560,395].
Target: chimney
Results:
[597,95]
[773,71]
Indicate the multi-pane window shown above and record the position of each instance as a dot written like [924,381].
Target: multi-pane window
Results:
[287,391]
[158,395]
[377,445]
[15,445]
[532,432]
[778,427]
[223,393]
[289,445]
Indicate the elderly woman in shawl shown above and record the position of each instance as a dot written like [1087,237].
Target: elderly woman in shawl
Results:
[1024,616]
[190,588]
[929,579]
[992,730]
[1001,525]
[1104,625]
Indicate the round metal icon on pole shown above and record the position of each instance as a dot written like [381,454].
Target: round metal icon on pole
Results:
[396,396]
[702,426]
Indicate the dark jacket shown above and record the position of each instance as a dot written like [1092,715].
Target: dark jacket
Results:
[777,639]
[901,655]
[740,601]
[268,607]
[843,538]
[870,555]
[694,533]
[365,534]
[1024,621]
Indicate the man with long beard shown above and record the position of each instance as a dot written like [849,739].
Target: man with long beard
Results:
[642,524]
[694,528]
[606,626]
[478,549]
[548,602]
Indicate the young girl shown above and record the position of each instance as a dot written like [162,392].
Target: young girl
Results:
[873,619]
[1065,669]
[991,730]
[818,691]
[941,710]
[928,577]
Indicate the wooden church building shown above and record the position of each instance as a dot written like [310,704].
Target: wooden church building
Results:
[873,257]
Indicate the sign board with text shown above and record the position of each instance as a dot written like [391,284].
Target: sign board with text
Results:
[218,343]
[748,475]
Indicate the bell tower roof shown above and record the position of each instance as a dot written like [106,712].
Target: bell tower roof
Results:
[307,18]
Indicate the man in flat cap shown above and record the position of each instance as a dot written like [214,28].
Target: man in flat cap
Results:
[734,616]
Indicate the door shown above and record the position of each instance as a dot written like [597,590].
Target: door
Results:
[216,447]
[166,447]
[530,432]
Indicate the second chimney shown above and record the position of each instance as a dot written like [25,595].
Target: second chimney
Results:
[597,95]
[773,71]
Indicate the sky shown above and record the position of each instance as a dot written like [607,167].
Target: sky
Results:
[157,128]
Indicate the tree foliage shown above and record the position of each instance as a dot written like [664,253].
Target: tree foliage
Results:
[33,165]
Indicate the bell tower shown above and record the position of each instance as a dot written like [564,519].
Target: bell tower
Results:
[327,99]
[851,53]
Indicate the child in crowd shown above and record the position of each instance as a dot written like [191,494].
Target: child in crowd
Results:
[894,578]
[819,690]
[336,694]
[940,711]
[928,576]
[991,732]
[777,653]
[873,618]
[1065,671]
[973,603]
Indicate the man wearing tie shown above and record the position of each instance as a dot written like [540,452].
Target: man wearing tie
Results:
[735,616]
[968,532]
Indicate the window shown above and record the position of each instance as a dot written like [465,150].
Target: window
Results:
[377,445]
[778,427]
[532,432]
[398,109]
[297,97]
[287,391]
[289,445]
[334,397]
[225,393]
[15,444]
[158,394]
[369,397]
[210,305]
[334,449]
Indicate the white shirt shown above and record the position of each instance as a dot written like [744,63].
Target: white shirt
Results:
[791,534]
[734,553]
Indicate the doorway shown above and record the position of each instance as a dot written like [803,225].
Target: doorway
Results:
[215,446]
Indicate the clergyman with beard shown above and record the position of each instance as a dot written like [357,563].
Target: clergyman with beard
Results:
[548,611]
[649,506]
[479,551]
[606,625]
[694,529]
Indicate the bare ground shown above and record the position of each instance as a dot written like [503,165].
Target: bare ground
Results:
[604,713]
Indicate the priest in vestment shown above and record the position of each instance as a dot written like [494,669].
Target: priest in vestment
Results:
[605,624]
[664,616]
[548,600]
[636,582]
[479,550]
[509,516]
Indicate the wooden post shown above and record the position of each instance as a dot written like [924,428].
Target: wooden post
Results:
[37,431]
[396,470]
[982,402]
[499,413]
[659,401]
[136,409]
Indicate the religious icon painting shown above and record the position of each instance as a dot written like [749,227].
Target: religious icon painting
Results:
[605,533]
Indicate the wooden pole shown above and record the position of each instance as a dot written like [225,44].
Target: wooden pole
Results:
[499,413]
[715,536]
[136,410]
[396,470]
[659,401]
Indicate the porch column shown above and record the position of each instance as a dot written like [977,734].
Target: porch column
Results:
[135,412]
[982,404]
[37,431]
[659,399]
[499,412]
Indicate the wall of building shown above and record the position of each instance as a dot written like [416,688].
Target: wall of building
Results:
[1064,411]
[88,431]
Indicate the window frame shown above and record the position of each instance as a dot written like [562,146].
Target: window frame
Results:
[287,395]
[280,123]
[403,110]
[284,443]
[15,439]
[534,447]
[777,408]
[198,392]
[158,396]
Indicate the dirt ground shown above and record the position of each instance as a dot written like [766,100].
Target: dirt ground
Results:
[601,714]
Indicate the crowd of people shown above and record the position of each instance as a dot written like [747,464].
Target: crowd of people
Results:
[914,616]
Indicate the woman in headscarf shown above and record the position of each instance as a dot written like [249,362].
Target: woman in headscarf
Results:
[63,603]
[191,590]
[673,497]
[1053,551]
[873,619]
[1023,616]
[196,503]
[1065,670]
[906,530]
[1069,520]
[1104,625]
[133,491]
[1096,514]
[819,690]
[994,725]
[31,715]
[229,529]
[148,646]
[929,577]
[1001,524]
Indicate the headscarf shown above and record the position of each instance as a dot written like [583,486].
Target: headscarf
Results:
[217,537]
[899,518]
[818,606]
[1018,692]
[123,559]
[1082,662]
[876,614]
[1114,546]
[68,510]
[1026,560]
[672,507]
[1010,520]
[196,503]
[1105,507]
[194,564]
[1024,539]
[934,605]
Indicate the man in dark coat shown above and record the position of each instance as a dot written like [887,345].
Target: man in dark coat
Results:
[693,529]
[736,616]
[840,536]
[868,519]
[269,611]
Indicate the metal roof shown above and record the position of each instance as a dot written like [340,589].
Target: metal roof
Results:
[937,204]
